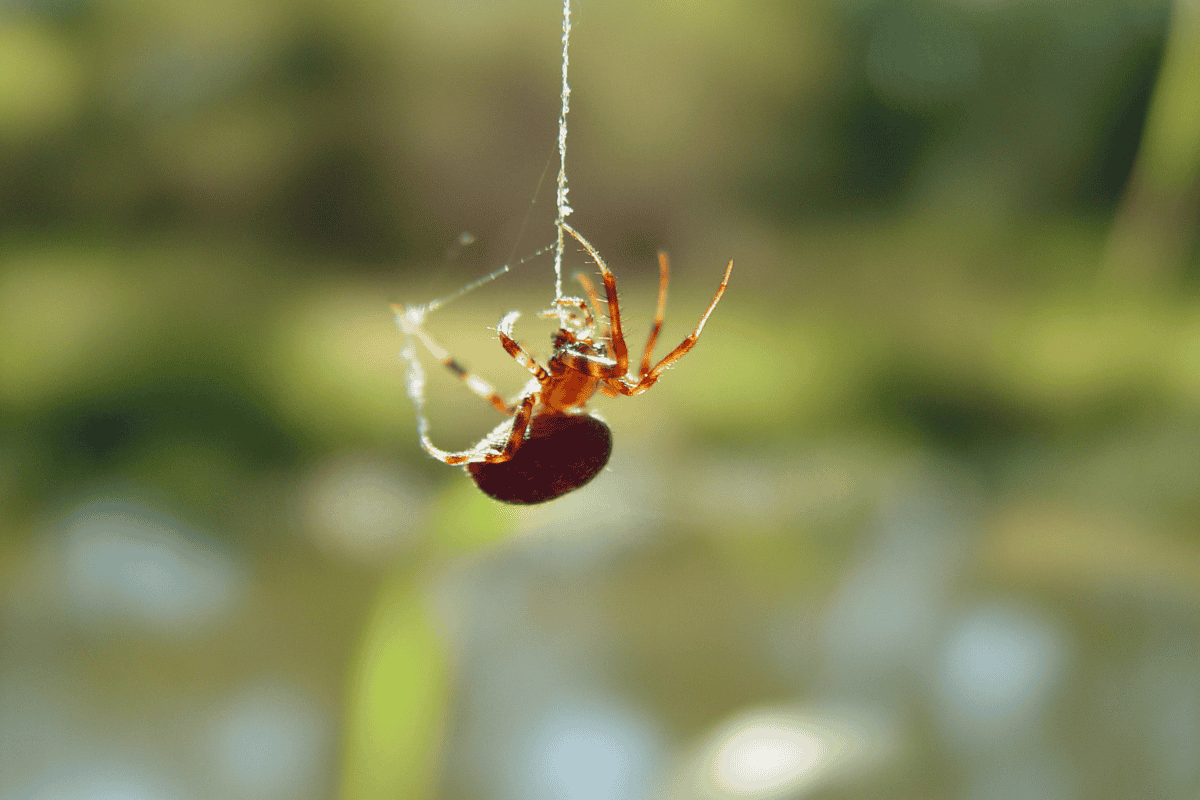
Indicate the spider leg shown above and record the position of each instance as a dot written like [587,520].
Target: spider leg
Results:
[588,320]
[516,434]
[595,300]
[620,351]
[590,288]
[520,353]
[496,447]
[476,384]
[652,376]
[664,271]
[573,303]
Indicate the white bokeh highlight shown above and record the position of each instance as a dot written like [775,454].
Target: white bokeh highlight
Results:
[588,750]
[996,671]
[267,742]
[129,565]
[768,756]
[361,507]
[783,753]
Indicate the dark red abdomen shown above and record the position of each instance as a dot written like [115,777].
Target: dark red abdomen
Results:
[561,452]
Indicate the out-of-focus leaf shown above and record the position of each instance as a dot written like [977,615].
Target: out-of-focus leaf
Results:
[398,698]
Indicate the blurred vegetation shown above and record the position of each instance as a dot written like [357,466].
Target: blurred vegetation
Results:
[965,290]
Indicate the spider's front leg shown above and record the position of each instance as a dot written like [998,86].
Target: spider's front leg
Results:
[664,274]
[616,338]
[650,377]
[616,381]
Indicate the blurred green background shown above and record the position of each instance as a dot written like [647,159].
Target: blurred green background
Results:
[916,518]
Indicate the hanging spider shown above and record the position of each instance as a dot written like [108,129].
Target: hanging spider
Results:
[551,446]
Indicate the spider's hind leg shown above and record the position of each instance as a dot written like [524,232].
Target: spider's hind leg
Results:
[412,328]
[520,354]
[503,441]
[498,446]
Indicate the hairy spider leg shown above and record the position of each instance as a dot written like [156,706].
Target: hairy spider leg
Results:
[590,288]
[606,334]
[503,441]
[659,314]
[498,446]
[616,337]
[589,322]
[475,383]
[664,272]
[650,378]
[520,354]
[617,377]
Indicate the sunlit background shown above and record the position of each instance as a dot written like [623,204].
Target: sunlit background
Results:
[917,517]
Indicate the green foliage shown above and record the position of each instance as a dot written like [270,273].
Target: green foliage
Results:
[398,694]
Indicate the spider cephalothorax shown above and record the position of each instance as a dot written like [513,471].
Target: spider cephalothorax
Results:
[551,445]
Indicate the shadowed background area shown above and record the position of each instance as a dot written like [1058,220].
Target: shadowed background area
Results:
[916,517]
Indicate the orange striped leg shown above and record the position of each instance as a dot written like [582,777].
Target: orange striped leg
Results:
[605,334]
[594,298]
[490,451]
[620,351]
[520,353]
[475,383]
[517,434]
[663,276]
[595,301]
[652,376]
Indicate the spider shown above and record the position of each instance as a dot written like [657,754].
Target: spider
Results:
[551,445]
